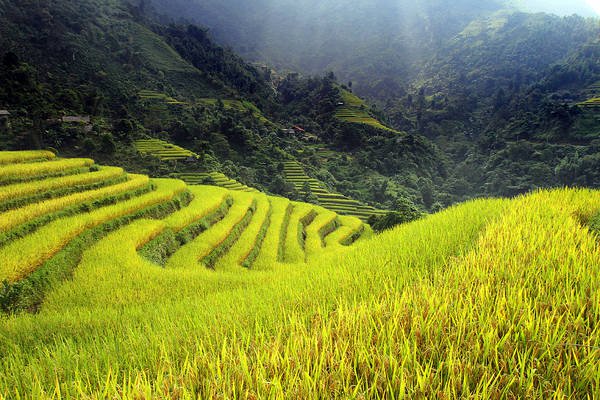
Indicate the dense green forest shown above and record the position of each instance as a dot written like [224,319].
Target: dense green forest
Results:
[137,77]
[496,89]
[480,100]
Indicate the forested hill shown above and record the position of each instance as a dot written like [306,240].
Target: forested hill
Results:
[510,97]
[382,46]
[366,41]
[504,100]
[89,78]
[101,49]
[466,99]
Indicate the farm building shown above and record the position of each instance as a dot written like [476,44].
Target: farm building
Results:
[82,119]
[4,118]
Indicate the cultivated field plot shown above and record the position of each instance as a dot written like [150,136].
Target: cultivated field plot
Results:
[158,96]
[355,110]
[163,150]
[47,223]
[294,173]
[592,93]
[593,103]
[212,178]
[210,293]
[239,105]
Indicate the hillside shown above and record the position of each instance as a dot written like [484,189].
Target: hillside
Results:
[487,298]
[382,199]
[373,43]
[502,101]
[494,88]
[90,84]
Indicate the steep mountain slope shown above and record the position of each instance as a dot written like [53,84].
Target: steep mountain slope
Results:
[501,101]
[119,75]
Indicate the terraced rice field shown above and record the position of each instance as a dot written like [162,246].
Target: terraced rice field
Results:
[158,96]
[355,110]
[163,150]
[177,292]
[212,178]
[294,173]
[592,103]
[48,222]
[242,106]
[592,93]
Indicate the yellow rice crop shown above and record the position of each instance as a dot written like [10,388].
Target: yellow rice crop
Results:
[193,252]
[22,256]
[349,226]
[247,240]
[314,231]
[24,171]
[15,217]
[10,157]
[268,257]
[206,200]
[294,252]
[18,190]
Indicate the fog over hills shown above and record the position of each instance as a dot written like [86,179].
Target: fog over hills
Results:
[559,7]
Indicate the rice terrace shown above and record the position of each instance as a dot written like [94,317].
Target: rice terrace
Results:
[202,291]
[266,199]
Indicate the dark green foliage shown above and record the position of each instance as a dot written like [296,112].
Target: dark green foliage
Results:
[304,222]
[354,237]
[486,101]
[404,212]
[327,229]
[159,249]
[195,45]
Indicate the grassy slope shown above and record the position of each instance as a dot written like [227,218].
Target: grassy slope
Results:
[493,298]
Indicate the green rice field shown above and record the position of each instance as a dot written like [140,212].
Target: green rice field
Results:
[355,110]
[294,173]
[163,150]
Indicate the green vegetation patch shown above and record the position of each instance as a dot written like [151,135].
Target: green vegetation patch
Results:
[163,150]
[238,105]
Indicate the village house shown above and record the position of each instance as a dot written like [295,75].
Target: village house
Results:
[84,120]
[80,119]
[4,119]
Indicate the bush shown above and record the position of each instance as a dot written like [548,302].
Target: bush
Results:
[405,212]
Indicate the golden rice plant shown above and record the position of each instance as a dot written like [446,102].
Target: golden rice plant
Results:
[195,251]
[15,191]
[26,171]
[249,239]
[15,217]
[22,256]
[11,157]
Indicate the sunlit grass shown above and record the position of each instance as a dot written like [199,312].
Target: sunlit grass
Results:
[488,299]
